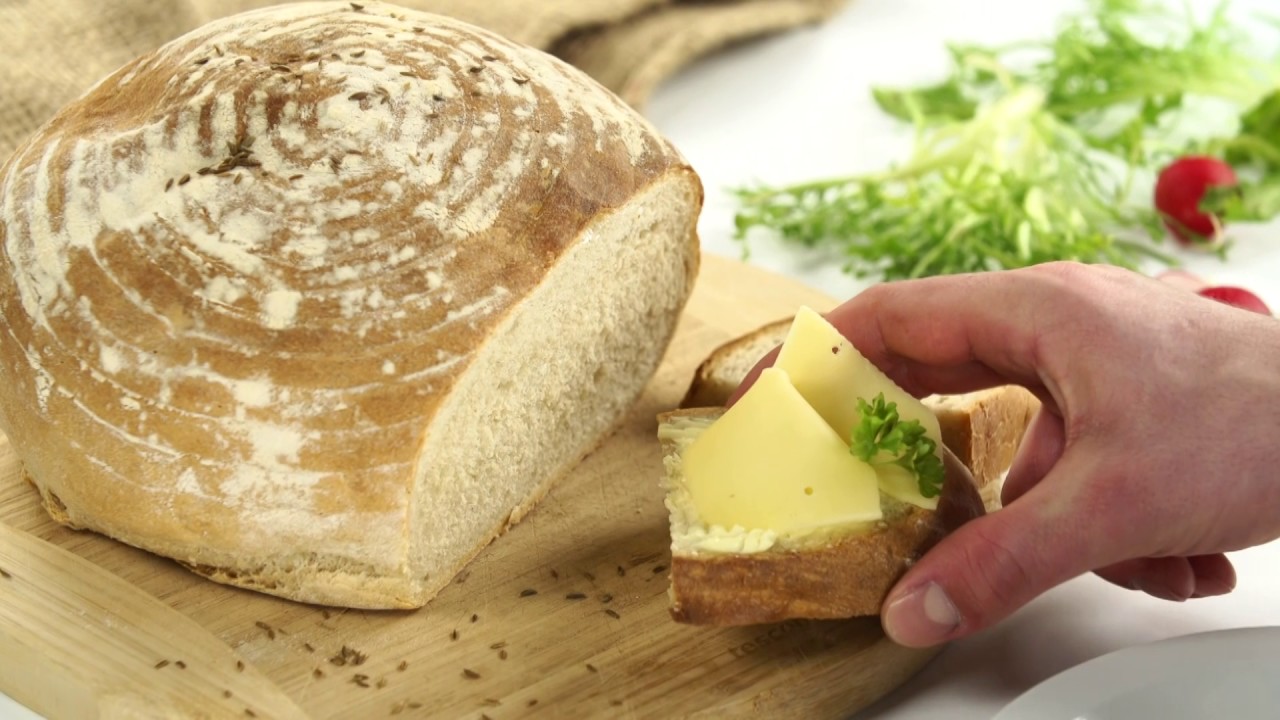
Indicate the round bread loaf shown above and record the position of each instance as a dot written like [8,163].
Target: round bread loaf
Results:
[319,299]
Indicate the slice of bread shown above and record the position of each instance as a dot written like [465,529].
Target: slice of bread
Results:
[834,575]
[743,577]
[983,428]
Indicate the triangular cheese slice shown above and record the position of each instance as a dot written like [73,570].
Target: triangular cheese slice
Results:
[772,462]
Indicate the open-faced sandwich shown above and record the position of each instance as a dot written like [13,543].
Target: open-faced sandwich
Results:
[813,494]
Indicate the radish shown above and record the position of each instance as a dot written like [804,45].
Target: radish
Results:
[1179,191]
[1238,297]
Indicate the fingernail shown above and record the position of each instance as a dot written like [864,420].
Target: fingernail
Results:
[925,616]
[1213,587]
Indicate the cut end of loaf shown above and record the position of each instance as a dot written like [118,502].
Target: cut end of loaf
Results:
[576,353]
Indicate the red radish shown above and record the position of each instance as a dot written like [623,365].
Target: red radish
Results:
[1238,297]
[1179,190]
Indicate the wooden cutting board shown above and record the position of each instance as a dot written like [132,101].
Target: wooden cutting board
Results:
[564,617]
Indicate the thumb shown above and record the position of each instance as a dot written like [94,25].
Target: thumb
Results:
[990,567]
[1040,450]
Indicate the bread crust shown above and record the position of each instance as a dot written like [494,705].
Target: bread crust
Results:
[985,429]
[711,385]
[846,577]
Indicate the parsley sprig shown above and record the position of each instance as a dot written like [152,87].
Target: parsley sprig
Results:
[883,438]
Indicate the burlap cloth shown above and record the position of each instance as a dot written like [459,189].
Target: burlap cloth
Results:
[53,50]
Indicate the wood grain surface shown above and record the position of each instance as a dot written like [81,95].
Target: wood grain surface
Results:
[565,616]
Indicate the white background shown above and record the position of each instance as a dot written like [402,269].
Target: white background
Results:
[797,107]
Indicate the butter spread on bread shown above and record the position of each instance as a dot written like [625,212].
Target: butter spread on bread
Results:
[319,299]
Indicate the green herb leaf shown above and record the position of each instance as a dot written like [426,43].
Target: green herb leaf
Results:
[1258,201]
[938,102]
[882,437]
[1012,187]
[1255,149]
[1029,153]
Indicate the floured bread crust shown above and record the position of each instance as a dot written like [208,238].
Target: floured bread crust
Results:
[242,273]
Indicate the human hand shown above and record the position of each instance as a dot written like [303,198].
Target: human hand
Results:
[1153,454]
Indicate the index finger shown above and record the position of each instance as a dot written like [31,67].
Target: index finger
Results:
[948,334]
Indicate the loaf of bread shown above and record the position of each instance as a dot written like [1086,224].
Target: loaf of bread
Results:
[319,299]
[983,429]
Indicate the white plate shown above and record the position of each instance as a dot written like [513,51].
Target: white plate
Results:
[1223,674]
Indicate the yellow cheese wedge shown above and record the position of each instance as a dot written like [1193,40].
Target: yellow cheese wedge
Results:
[831,375]
[772,462]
